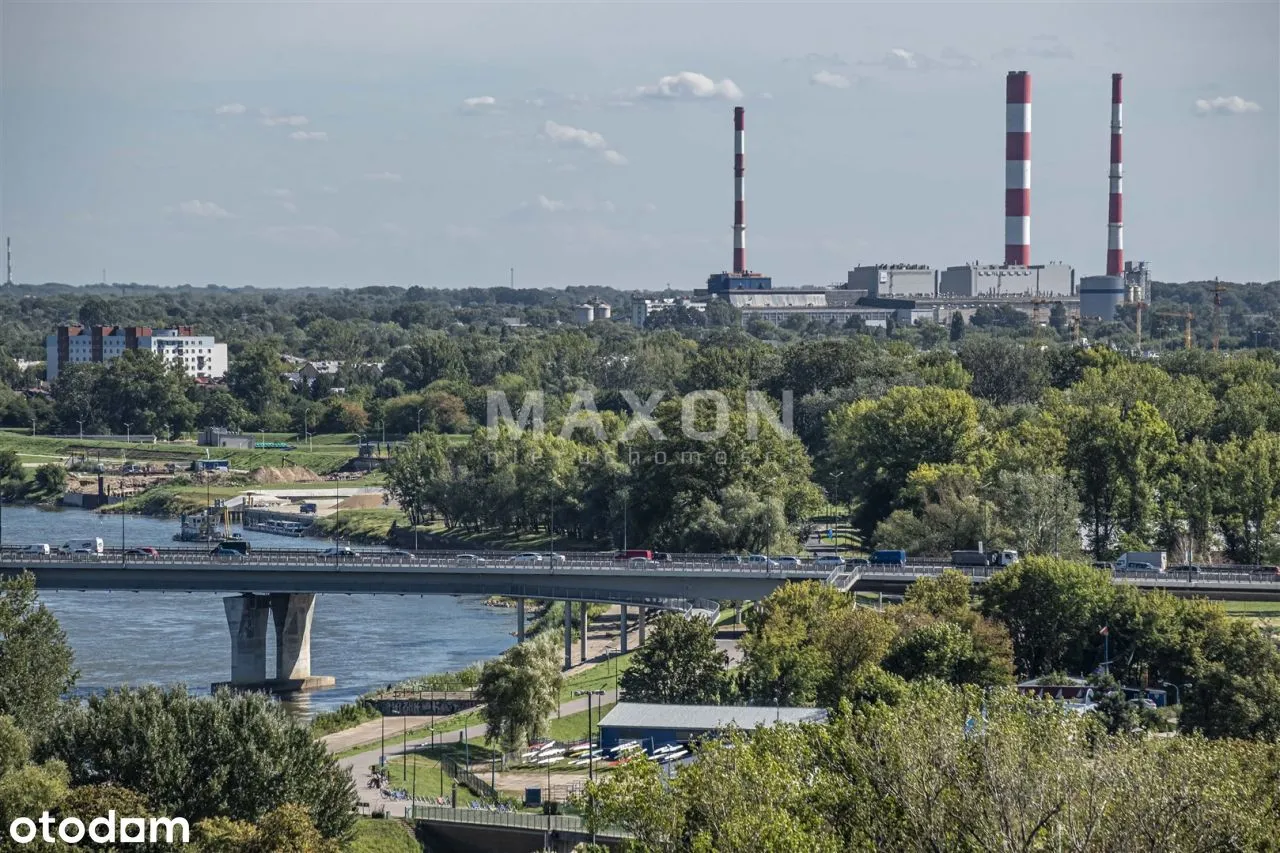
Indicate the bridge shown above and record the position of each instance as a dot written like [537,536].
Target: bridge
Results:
[283,584]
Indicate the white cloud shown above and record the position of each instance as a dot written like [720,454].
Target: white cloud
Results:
[384,177]
[901,58]
[287,121]
[574,136]
[280,193]
[479,104]
[230,110]
[577,137]
[300,236]
[690,84]
[1230,105]
[289,207]
[200,210]
[309,135]
[550,206]
[328,190]
[831,79]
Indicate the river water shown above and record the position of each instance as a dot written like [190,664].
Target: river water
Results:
[363,641]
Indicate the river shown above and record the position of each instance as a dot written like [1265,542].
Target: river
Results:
[363,641]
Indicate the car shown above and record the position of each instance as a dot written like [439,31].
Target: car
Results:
[761,561]
[406,556]
[469,560]
[1140,567]
[41,548]
[308,508]
[142,551]
[1184,570]
[639,562]
[788,562]
[1268,572]
[527,557]
[557,559]
[861,562]
[1101,564]
[634,552]
[729,558]
[661,557]
[338,551]
[829,561]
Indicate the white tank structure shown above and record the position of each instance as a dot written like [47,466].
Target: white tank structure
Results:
[584,314]
[604,310]
[1100,296]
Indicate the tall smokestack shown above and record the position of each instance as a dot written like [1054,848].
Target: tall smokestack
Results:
[1115,208]
[739,199]
[1017,169]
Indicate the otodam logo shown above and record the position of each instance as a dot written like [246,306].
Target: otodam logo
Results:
[101,830]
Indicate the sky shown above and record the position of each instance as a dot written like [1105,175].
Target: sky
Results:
[352,144]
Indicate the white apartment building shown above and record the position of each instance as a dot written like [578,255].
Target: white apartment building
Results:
[201,356]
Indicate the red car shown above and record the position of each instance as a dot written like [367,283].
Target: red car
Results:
[142,551]
[634,552]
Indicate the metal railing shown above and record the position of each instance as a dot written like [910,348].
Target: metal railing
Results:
[515,820]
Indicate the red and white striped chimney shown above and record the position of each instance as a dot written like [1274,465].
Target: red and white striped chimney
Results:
[739,199]
[1017,169]
[1115,208]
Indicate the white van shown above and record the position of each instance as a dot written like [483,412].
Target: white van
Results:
[41,548]
[75,546]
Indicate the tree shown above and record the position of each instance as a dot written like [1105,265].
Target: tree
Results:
[1053,610]
[146,392]
[254,378]
[12,476]
[236,756]
[50,479]
[288,827]
[26,789]
[1250,504]
[874,445]
[947,513]
[35,658]
[1039,511]
[520,690]
[949,769]
[957,327]
[782,664]
[679,664]
[1004,371]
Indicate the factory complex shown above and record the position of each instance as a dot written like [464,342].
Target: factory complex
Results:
[914,292]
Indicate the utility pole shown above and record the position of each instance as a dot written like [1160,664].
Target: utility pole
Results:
[1217,291]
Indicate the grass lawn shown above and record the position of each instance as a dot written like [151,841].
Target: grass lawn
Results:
[382,836]
[323,460]
[368,525]
[573,727]
[404,770]
[599,677]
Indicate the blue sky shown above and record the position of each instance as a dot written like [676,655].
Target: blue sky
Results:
[345,144]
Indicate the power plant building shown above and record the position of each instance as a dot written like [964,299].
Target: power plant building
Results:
[886,281]
[1045,280]
[1100,296]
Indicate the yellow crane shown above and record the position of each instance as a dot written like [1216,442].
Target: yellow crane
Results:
[1186,319]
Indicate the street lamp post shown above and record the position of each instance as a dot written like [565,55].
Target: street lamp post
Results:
[128,433]
[591,775]
[81,422]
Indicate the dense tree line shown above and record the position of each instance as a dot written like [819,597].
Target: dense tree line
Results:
[950,768]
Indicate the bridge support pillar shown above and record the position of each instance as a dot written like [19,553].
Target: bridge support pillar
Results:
[291,613]
[568,635]
[622,634]
[247,620]
[642,612]
[519,620]
[582,640]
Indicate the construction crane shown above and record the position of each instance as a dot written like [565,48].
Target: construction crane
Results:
[1217,290]
[1186,317]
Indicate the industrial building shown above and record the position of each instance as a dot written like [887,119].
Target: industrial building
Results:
[974,279]
[199,355]
[642,307]
[654,726]
[589,312]
[892,280]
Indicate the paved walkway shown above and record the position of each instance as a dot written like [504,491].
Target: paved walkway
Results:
[359,765]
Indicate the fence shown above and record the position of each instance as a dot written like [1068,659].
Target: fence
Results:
[515,820]
[466,777]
